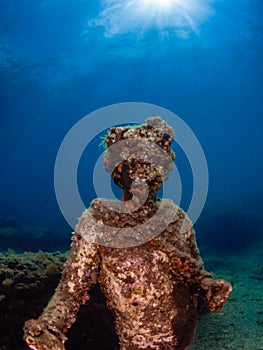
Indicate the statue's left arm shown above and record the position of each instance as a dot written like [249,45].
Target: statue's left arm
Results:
[189,267]
[213,292]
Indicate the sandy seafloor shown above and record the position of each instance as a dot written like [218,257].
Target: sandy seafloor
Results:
[238,326]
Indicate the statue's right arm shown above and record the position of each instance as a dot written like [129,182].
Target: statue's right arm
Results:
[80,272]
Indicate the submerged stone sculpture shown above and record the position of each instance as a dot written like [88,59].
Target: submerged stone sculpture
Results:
[143,254]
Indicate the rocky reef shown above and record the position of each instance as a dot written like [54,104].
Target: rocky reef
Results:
[27,281]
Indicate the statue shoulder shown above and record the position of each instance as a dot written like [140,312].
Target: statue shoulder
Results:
[88,224]
[180,226]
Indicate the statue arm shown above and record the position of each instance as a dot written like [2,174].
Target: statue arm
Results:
[80,272]
[212,292]
[188,266]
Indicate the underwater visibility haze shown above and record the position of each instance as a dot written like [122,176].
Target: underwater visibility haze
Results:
[61,60]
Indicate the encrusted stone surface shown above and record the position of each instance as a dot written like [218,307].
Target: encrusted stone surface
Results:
[151,288]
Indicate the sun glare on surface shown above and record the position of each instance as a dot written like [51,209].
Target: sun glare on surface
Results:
[161,4]
[170,17]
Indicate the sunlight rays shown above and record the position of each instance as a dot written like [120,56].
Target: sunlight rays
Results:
[175,17]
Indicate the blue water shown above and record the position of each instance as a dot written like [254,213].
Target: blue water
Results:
[62,59]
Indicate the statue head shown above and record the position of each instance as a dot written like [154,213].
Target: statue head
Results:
[139,153]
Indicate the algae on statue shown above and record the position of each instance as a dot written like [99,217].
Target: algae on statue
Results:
[142,252]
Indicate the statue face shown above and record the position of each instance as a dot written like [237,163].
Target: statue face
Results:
[135,171]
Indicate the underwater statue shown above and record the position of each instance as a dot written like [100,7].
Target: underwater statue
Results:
[141,250]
